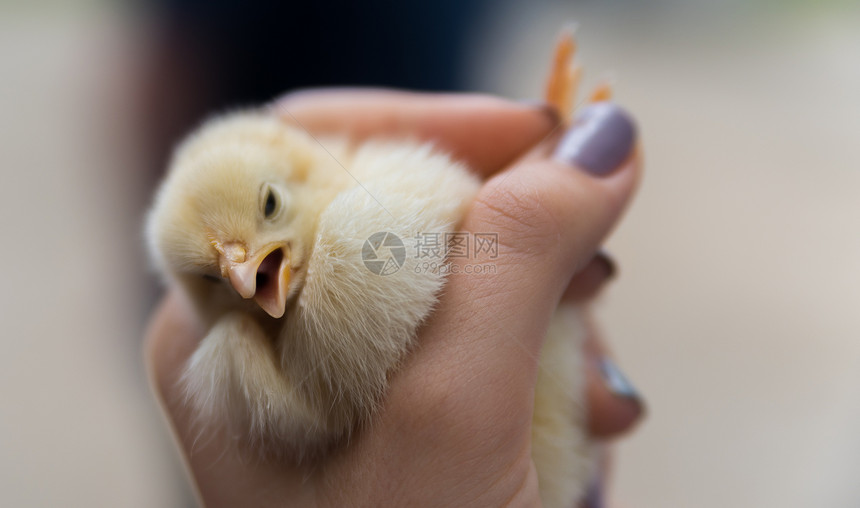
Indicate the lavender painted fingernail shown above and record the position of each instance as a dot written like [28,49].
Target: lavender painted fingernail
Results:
[594,495]
[616,381]
[608,263]
[600,139]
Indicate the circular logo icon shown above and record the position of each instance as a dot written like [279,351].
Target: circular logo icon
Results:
[383,253]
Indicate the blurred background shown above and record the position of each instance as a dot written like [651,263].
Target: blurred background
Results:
[735,312]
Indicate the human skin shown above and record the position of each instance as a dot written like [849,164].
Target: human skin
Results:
[454,428]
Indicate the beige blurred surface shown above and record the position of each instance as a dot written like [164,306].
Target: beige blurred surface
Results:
[735,313]
[77,424]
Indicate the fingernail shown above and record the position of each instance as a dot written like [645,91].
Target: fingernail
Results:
[600,139]
[544,107]
[617,382]
[594,495]
[608,263]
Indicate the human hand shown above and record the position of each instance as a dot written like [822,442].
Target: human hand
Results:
[454,426]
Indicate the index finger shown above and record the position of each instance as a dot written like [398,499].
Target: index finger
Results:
[485,132]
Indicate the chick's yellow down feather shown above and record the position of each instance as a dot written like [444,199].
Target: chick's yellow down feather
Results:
[263,226]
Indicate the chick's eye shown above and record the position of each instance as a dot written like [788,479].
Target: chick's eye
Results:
[270,205]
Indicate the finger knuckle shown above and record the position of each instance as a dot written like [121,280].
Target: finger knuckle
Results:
[520,215]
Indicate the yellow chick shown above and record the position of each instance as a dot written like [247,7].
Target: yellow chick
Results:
[273,235]
[265,230]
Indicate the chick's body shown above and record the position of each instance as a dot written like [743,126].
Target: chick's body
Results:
[264,228]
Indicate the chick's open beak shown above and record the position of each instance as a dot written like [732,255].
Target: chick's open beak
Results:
[264,276]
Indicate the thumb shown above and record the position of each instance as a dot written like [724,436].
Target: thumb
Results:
[549,216]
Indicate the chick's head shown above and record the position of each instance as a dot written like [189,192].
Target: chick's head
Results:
[234,218]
